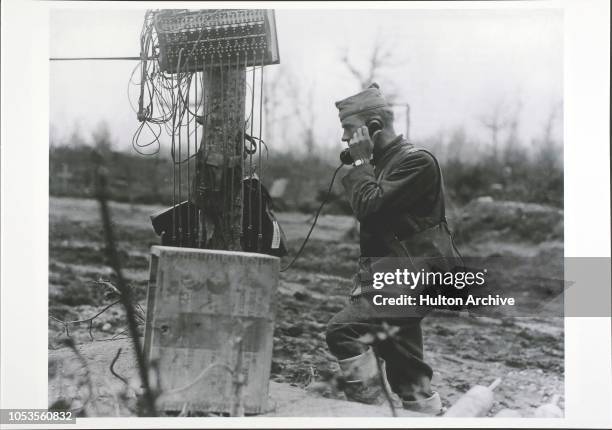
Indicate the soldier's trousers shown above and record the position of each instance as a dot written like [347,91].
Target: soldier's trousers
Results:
[354,329]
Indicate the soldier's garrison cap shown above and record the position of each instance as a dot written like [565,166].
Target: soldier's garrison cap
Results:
[369,99]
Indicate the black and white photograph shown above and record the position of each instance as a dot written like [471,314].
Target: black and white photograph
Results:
[311,211]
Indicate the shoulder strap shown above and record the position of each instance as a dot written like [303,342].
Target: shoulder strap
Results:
[410,151]
[442,188]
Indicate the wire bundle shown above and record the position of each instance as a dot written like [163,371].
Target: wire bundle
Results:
[163,97]
[205,93]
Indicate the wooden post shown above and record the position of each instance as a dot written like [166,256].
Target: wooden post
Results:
[218,177]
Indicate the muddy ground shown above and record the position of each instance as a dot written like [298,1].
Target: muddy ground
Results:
[527,352]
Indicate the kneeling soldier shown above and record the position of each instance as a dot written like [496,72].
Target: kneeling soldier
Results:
[396,193]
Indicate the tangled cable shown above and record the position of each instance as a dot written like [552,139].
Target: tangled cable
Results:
[164,98]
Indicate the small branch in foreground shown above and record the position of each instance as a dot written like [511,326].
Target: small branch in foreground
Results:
[112,365]
[125,296]
[86,320]
[383,383]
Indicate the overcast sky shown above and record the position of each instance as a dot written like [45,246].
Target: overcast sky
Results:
[451,66]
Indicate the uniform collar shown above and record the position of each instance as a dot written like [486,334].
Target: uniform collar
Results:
[381,155]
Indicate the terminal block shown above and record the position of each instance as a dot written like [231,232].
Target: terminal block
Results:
[191,40]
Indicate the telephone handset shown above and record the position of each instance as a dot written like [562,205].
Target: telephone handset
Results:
[373,125]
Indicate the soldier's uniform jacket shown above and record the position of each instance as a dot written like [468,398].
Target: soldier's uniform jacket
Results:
[399,201]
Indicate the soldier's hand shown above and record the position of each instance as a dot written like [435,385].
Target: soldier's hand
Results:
[360,145]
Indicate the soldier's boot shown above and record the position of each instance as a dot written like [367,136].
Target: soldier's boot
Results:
[420,398]
[363,381]
[431,405]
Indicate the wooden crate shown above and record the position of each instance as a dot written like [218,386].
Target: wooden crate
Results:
[200,304]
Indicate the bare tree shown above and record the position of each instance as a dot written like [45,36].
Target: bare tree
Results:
[289,109]
[274,114]
[76,138]
[102,137]
[380,60]
[553,116]
[307,117]
[512,152]
[549,153]
[496,122]
[513,123]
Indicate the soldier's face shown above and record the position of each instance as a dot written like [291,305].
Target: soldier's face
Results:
[349,126]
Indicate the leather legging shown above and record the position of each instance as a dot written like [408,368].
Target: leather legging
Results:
[354,329]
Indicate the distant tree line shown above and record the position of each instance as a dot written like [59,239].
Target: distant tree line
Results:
[513,173]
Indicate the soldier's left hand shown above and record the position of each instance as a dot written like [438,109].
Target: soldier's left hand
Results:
[360,145]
